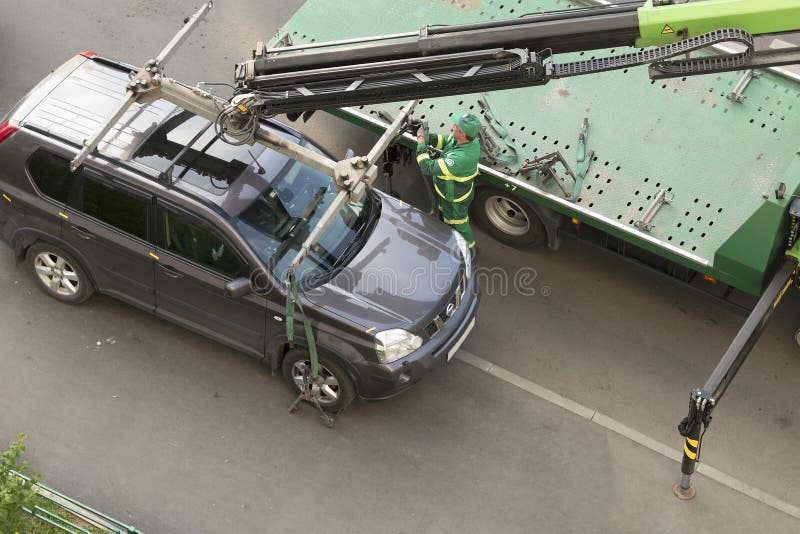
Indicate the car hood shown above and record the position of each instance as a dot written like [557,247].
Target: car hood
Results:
[403,275]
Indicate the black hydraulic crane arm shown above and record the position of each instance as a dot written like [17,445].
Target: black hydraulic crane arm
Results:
[507,54]
[565,31]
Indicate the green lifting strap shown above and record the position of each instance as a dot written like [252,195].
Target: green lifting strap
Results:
[585,159]
[292,300]
[488,145]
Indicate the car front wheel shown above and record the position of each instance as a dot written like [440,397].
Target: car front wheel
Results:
[336,390]
[58,274]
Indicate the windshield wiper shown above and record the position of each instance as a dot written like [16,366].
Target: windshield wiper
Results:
[345,255]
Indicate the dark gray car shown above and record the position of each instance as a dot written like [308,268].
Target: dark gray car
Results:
[168,217]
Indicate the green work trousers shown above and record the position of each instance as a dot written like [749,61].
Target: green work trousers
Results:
[456,214]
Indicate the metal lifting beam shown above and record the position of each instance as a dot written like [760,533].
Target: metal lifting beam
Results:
[241,124]
[704,400]
[149,84]
[141,81]
[353,176]
[208,106]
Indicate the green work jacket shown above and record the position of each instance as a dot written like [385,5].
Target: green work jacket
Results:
[454,170]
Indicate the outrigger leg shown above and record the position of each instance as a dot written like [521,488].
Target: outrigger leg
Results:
[704,400]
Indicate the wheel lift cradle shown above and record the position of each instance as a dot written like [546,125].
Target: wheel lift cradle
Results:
[687,193]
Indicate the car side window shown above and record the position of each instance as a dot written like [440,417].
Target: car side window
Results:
[51,175]
[183,236]
[120,209]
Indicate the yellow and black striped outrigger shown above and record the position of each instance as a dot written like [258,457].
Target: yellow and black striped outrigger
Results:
[704,400]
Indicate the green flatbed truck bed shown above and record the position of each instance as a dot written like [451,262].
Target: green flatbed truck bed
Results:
[719,160]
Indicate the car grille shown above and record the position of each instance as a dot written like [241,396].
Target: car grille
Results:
[449,310]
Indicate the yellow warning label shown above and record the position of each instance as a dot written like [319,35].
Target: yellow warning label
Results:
[667,29]
[785,288]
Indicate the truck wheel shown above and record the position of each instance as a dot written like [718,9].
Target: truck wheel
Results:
[797,337]
[336,393]
[58,274]
[508,218]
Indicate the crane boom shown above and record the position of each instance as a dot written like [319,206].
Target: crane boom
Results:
[506,54]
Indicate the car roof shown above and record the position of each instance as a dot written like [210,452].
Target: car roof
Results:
[80,104]
[90,92]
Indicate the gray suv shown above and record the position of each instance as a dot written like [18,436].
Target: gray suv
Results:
[168,217]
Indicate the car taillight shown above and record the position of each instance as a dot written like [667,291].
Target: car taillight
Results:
[88,54]
[7,129]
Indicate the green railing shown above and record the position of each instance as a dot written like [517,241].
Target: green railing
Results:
[92,521]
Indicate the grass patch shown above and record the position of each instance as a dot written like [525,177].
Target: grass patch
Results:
[40,526]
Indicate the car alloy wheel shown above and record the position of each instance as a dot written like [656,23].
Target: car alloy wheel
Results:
[57,274]
[335,391]
[328,391]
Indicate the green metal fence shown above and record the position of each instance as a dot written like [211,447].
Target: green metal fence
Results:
[92,520]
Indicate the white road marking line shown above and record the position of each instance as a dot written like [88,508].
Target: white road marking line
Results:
[615,426]
[526,385]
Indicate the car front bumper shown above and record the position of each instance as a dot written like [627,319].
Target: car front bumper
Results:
[382,381]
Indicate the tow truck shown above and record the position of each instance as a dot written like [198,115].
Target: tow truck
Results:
[673,38]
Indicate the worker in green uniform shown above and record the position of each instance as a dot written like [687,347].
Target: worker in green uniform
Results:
[454,170]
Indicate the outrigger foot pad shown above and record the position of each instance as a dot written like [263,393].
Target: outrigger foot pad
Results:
[684,494]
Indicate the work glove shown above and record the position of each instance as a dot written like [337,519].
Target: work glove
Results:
[423,130]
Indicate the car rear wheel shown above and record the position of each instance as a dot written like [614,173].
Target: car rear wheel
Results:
[336,391]
[508,218]
[58,273]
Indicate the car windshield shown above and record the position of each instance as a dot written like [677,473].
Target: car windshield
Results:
[273,201]
[283,215]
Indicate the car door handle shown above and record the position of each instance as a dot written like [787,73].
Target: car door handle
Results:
[83,232]
[169,271]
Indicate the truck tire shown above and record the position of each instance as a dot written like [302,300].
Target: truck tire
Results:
[507,218]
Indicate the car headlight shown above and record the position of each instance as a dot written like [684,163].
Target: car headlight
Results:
[391,345]
[466,253]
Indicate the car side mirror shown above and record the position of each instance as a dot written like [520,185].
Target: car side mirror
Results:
[349,154]
[238,288]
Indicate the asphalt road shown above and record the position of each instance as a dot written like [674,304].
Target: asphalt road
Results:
[173,433]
